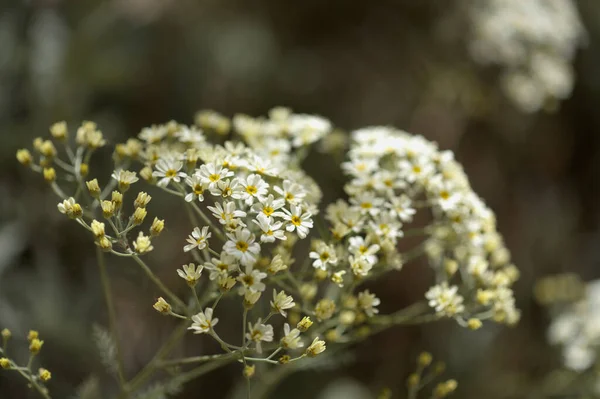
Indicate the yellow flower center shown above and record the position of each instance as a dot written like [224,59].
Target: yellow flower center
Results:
[198,189]
[267,210]
[171,173]
[214,177]
[241,246]
[252,190]
[296,221]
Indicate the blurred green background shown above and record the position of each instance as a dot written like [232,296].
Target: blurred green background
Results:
[129,63]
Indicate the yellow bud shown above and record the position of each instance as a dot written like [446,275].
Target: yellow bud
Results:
[32,335]
[425,359]
[108,209]
[347,317]
[139,215]
[93,188]
[104,243]
[332,335]
[162,306]
[484,297]
[325,309]
[157,227]
[84,169]
[146,174]
[4,363]
[47,149]
[451,266]
[413,380]
[49,175]
[249,371]
[117,199]
[285,359]
[97,229]
[474,324]
[304,324]
[6,334]
[37,144]
[59,130]
[321,274]
[44,374]
[35,346]
[24,157]
[142,200]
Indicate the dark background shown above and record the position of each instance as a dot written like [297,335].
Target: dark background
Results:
[129,63]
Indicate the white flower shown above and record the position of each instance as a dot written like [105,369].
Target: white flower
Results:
[190,135]
[190,273]
[416,171]
[360,266]
[368,202]
[291,338]
[269,206]
[222,266]
[281,301]
[445,300]
[198,239]
[198,187]
[259,332]
[359,247]
[227,188]
[368,302]
[125,178]
[271,229]
[241,245]
[203,321]
[142,244]
[70,208]
[254,187]
[291,192]
[226,212]
[317,347]
[301,222]
[252,281]
[212,173]
[323,255]
[306,129]
[168,170]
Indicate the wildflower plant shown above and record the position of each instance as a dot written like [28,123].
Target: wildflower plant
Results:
[258,236]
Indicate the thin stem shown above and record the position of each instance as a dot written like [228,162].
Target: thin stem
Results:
[260,359]
[112,317]
[194,359]
[157,281]
[272,355]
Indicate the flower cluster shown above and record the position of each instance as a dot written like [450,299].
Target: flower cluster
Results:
[576,329]
[251,206]
[534,41]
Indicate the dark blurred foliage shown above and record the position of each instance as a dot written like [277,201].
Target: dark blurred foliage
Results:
[130,63]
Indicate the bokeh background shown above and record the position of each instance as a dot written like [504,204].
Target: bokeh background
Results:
[127,64]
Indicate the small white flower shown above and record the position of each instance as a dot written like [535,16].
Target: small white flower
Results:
[317,347]
[198,239]
[212,173]
[253,187]
[241,246]
[198,187]
[269,206]
[252,281]
[291,192]
[125,178]
[226,212]
[281,302]
[368,302]
[360,266]
[222,266]
[168,170]
[271,229]
[203,322]
[227,188]
[259,332]
[323,255]
[142,244]
[445,299]
[301,222]
[360,247]
[190,273]
[291,338]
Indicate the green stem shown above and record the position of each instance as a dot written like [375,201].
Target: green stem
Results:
[112,317]
[157,281]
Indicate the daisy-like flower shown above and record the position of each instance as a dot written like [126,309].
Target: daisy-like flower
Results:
[317,347]
[241,246]
[168,170]
[360,266]
[228,188]
[212,173]
[271,229]
[386,226]
[262,166]
[190,135]
[125,178]
[359,247]
[368,302]
[252,281]
[198,239]
[142,244]
[416,170]
[70,208]
[226,212]
[291,338]
[269,206]
[367,202]
[153,134]
[198,187]
[203,322]
[222,266]
[445,299]
[323,255]
[259,332]
[306,129]
[253,188]
[402,207]
[281,301]
[190,273]
[301,222]
[291,192]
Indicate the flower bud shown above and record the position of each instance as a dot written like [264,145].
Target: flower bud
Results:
[44,374]
[162,306]
[157,227]
[49,174]
[304,324]
[24,157]
[59,130]
[93,188]
[139,215]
